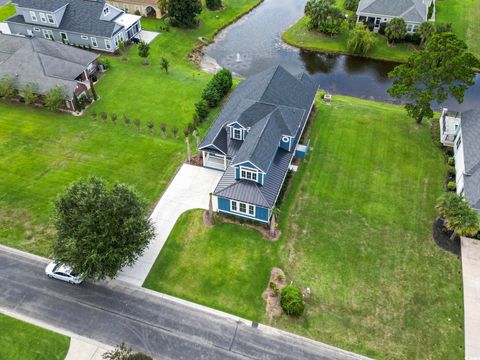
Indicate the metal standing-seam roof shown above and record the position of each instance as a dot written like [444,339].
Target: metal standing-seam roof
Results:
[470,124]
[270,104]
[81,16]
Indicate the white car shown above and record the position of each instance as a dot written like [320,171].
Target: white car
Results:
[62,272]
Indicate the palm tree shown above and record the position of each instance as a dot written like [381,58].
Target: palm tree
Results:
[210,208]
[189,153]
[197,138]
[273,220]
[425,30]
[459,216]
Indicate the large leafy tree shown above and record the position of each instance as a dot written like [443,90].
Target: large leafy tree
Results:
[441,69]
[100,230]
[184,12]
[361,40]
[396,30]
[459,216]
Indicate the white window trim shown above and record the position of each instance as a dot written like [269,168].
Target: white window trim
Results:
[33,16]
[64,33]
[36,29]
[93,41]
[43,18]
[108,44]
[253,174]
[84,37]
[51,19]
[238,130]
[49,33]
[250,210]
[106,10]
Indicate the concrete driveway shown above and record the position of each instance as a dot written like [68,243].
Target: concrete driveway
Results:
[189,189]
[471,296]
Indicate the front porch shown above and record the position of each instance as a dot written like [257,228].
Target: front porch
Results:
[449,126]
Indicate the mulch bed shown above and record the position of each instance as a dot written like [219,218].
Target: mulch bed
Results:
[442,237]
[277,277]
[265,232]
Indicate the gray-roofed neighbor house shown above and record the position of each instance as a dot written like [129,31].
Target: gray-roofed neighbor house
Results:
[46,63]
[467,157]
[87,23]
[255,138]
[377,13]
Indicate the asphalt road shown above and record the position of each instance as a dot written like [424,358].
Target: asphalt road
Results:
[164,328]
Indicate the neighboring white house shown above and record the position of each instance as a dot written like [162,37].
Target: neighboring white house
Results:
[376,14]
[466,146]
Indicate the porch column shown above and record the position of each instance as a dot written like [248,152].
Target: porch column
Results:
[203,157]
[224,162]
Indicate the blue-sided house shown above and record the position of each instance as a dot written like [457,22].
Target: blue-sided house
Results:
[255,138]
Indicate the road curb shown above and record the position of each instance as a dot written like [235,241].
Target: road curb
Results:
[98,345]
[192,305]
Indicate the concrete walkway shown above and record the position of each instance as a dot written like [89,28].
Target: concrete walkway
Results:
[471,296]
[189,189]
[146,36]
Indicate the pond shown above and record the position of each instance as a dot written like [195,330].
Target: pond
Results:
[254,44]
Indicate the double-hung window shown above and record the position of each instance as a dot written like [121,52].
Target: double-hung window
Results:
[237,134]
[48,34]
[248,174]
[33,15]
[42,17]
[94,41]
[243,208]
[108,45]
[459,142]
[51,19]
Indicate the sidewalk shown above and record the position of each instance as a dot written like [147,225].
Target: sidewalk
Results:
[471,291]
[189,189]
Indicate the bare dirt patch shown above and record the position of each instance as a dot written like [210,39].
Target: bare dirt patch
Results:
[271,295]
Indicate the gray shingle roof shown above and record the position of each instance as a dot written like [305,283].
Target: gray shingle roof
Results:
[471,150]
[410,10]
[81,16]
[46,5]
[271,104]
[42,61]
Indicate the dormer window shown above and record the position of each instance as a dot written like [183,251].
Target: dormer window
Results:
[42,17]
[33,15]
[106,10]
[248,174]
[237,134]
[51,19]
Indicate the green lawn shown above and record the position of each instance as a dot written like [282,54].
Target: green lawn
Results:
[6,11]
[146,92]
[220,267]
[22,341]
[42,152]
[300,36]
[356,230]
[463,15]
